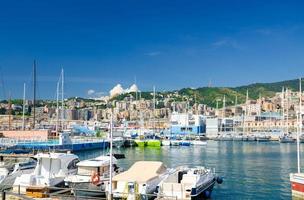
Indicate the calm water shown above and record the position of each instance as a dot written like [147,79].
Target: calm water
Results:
[251,170]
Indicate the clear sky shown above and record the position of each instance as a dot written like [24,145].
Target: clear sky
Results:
[168,43]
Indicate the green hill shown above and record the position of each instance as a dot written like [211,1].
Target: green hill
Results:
[210,95]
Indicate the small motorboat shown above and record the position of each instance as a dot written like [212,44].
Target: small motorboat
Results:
[225,137]
[287,138]
[92,177]
[262,137]
[50,171]
[9,172]
[188,183]
[142,178]
[166,142]
[118,142]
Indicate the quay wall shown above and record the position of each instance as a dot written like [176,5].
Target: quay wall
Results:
[27,135]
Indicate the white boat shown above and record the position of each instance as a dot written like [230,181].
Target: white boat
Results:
[287,138]
[166,142]
[263,137]
[83,182]
[175,142]
[118,142]
[188,183]
[50,171]
[198,143]
[8,172]
[141,179]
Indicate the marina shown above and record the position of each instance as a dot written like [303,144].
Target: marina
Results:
[151,100]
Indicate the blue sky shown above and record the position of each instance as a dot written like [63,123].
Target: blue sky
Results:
[170,44]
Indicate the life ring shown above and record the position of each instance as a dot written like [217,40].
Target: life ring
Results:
[95,179]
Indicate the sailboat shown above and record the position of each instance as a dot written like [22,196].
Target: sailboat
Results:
[297,179]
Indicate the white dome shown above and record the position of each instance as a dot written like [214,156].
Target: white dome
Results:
[117,90]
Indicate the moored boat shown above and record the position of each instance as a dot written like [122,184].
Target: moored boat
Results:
[50,171]
[262,137]
[153,143]
[92,177]
[287,138]
[166,142]
[136,182]
[188,183]
[140,143]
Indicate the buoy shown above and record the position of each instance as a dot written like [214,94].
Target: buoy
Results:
[95,179]
[219,180]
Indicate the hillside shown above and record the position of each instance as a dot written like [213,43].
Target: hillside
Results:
[209,95]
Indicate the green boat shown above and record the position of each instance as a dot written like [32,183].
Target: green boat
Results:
[153,143]
[140,143]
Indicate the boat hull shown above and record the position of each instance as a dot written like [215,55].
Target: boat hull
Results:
[297,185]
[88,190]
[153,143]
[140,143]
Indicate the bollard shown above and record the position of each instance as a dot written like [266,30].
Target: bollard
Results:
[3,195]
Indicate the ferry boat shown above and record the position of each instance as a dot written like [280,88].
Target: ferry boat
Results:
[142,178]
[188,183]
[92,177]
[50,171]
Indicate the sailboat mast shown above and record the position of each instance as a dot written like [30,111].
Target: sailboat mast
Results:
[287,111]
[224,111]
[62,98]
[300,124]
[111,154]
[23,108]
[283,108]
[57,107]
[154,105]
[34,95]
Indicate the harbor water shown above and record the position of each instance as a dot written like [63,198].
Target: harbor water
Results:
[251,170]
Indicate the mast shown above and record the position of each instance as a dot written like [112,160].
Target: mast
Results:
[62,98]
[287,111]
[224,111]
[57,107]
[283,110]
[23,108]
[154,102]
[300,125]
[10,112]
[111,154]
[34,94]
[246,110]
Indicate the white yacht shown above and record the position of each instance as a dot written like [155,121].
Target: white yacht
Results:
[83,182]
[50,171]
[141,179]
[9,172]
[188,183]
